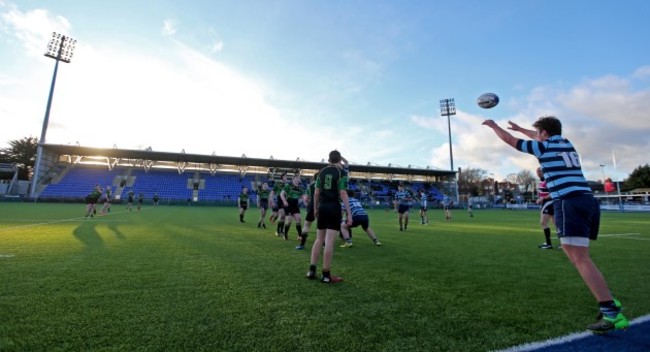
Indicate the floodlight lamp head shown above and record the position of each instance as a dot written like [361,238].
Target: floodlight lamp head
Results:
[61,47]
[447,107]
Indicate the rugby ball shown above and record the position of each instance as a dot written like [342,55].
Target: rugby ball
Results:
[487,100]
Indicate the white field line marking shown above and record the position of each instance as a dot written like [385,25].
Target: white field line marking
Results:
[6,256]
[564,339]
[627,236]
[620,234]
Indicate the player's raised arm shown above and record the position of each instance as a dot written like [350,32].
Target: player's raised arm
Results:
[532,134]
[501,133]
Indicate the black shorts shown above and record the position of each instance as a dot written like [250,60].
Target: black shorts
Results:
[292,207]
[90,200]
[547,208]
[577,216]
[276,206]
[403,208]
[264,203]
[310,212]
[243,205]
[329,216]
[361,220]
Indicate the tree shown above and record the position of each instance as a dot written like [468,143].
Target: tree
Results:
[469,181]
[526,179]
[22,152]
[639,178]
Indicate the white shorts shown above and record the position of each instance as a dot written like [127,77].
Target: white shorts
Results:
[575,241]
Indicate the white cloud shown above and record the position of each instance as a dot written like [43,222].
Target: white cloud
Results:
[34,28]
[217,47]
[642,72]
[169,27]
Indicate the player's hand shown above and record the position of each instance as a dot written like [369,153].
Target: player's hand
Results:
[513,126]
[348,221]
[489,123]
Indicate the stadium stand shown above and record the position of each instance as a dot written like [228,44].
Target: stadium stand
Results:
[169,184]
[197,186]
[79,182]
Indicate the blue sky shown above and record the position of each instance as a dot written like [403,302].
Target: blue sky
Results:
[296,79]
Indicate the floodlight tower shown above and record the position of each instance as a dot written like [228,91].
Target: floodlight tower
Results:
[60,48]
[448,108]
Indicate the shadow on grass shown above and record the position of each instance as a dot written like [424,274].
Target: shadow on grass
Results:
[116,231]
[87,234]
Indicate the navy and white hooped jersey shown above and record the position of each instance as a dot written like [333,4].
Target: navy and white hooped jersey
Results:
[560,163]
[355,207]
[423,201]
[404,197]
[446,201]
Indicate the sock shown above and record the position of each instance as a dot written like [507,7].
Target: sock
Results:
[303,238]
[280,226]
[326,273]
[299,229]
[609,309]
[241,217]
[286,228]
[547,234]
[312,268]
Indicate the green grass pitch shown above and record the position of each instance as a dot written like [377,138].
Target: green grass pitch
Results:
[190,278]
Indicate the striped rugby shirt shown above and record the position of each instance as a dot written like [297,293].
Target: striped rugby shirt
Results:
[355,207]
[560,164]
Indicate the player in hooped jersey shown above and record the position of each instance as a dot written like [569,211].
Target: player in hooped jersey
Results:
[359,218]
[577,212]
[423,207]
[446,205]
[546,213]
[403,198]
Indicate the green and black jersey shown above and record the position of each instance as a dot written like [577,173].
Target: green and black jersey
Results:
[263,194]
[293,192]
[331,180]
[94,195]
[243,198]
[277,188]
